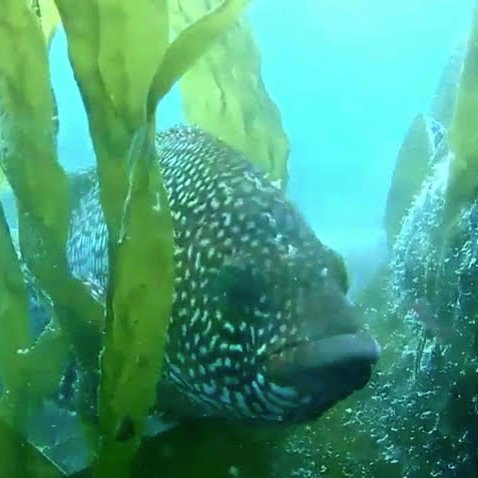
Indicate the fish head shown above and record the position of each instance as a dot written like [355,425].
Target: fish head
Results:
[300,335]
[279,341]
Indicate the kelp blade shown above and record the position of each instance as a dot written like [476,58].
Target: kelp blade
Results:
[109,134]
[39,362]
[233,103]
[14,335]
[191,44]
[39,183]
[410,170]
[22,460]
[126,66]
[463,137]
[141,289]
[121,115]
[135,208]
[48,15]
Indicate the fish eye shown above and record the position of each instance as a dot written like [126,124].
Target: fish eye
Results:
[239,285]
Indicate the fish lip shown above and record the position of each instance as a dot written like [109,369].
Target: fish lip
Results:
[325,352]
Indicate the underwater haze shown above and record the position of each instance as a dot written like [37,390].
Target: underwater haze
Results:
[348,78]
[282,281]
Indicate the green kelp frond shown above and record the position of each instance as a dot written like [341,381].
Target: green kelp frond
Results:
[27,371]
[113,71]
[48,16]
[30,164]
[411,168]
[124,64]
[14,335]
[128,61]
[463,137]
[224,94]
[192,42]
[20,459]
[29,161]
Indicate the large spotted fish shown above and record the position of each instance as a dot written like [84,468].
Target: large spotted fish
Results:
[260,329]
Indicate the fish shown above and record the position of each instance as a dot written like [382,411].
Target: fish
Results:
[261,330]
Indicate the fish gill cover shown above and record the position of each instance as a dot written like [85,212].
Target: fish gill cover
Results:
[115,330]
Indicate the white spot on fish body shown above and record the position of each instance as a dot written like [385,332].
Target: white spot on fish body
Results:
[241,402]
[227,219]
[261,396]
[285,392]
[209,389]
[236,348]
[261,349]
[195,317]
[225,396]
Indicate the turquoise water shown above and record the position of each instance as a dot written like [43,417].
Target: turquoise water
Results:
[348,77]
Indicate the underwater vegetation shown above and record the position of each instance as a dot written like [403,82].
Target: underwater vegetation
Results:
[411,168]
[233,104]
[90,247]
[102,260]
[463,142]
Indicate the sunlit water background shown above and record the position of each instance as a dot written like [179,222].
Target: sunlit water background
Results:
[348,77]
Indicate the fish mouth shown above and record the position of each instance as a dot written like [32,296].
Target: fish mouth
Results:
[326,369]
[326,352]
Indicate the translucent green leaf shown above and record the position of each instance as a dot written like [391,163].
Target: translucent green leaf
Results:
[106,42]
[463,135]
[191,44]
[224,94]
[141,286]
[30,163]
[48,15]
[22,460]
[132,43]
[109,131]
[410,170]
[14,336]
[135,208]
